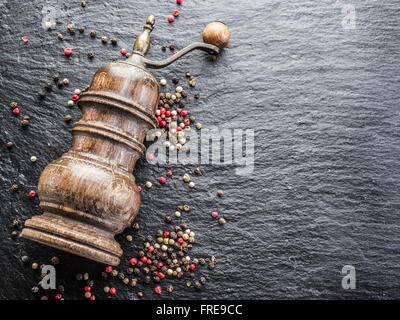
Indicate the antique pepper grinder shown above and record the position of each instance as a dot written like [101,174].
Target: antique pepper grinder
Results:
[89,194]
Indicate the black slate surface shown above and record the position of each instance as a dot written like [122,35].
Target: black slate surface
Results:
[323,101]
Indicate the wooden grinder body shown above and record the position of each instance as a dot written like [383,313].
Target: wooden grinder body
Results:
[89,194]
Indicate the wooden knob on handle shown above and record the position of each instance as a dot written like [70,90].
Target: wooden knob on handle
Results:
[216,33]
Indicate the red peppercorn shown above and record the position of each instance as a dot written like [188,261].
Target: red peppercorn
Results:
[179,1]
[24,39]
[139,188]
[88,288]
[171,19]
[58,296]
[179,110]
[143,259]
[180,240]
[169,173]
[158,290]
[160,275]
[179,129]
[163,123]
[109,269]
[184,113]
[150,249]
[150,156]
[75,97]
[214,214]
[187,122]
[163,180]
[123,51]
[92,297]
[166,234]
[160,265]
[149,261]
[162,111]
[192,267]
[16,111]
[32,194]
[175,13]
[159,119]
[68,51]
[133,261]
[167,113]
[113,291]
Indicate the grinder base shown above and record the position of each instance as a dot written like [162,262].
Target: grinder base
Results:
[72,236]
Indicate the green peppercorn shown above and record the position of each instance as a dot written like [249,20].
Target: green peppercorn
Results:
[114,273]
[125,280]
[188,283]
[186,208]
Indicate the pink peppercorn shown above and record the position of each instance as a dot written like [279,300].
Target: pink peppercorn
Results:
[88,288]
[58,296]
[75,97]
[175,13]
[171,19]
[92,297]
[24,39]
[166,234]
[163,123]
[113,291]
[160,265]
[163,180]
[158,290]
[32,194]
[192,267]
[123,51]
[16,111]
[68,51]
[179,1]
[143,259]
[214,214]
[184,113]
[109,269]
[160,275]
[133,261]
[180,240]
[139,188]
[179,129]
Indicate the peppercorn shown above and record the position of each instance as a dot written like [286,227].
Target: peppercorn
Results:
[35,266]
[136,226]
[113,291]
[65,81]
[220,193]
[35,289]
[81,29]
[24,259]
[148,184]
[197,96]
[25,123]
[104,39]
[67,117]
[186,208]
[168,219]
[192,83]
[133,282]
[90,55]
[203,280]
[41,95]
[114,273]
[60,84]
[139,294]
[164,48]
[48,86]
[9,144]
[186,177]
[93,33]
[129,238]
[221,221]
[175,80]
[114,41]
[55,260]
[79,277]
[86,276]
[14,234]
[44,298]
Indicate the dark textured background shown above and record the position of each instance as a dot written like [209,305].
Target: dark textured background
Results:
[324,104]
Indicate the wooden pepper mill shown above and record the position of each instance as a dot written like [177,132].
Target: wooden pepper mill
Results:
[89,194]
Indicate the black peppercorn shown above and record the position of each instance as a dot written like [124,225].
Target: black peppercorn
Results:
[9,144]
[168,219]
[56,77]
[82,29]
[60,84]
[67,117]
[90,54]
[175,80]
[172,47]
[41,95]
[83,4]
[93,33]
[48,86]
[55,260]
[114,41]
[197,96]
